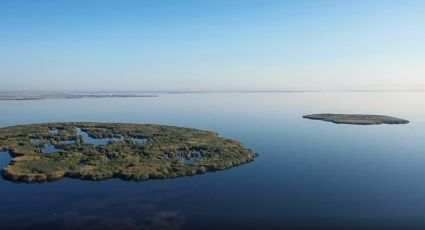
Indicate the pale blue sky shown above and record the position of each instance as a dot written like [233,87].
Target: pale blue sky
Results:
[212,45]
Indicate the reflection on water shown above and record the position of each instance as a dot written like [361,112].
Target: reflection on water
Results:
[309,175]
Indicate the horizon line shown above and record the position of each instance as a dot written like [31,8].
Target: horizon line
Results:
[209,91]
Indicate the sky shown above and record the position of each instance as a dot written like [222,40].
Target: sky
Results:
[212,45]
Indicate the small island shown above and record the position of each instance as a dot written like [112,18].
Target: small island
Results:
[99,151]
[356,119]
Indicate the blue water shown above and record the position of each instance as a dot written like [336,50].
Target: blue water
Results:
[49,149]
[5,159]
[310,174]
[104,141]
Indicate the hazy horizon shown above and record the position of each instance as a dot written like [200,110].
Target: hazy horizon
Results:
[212,45]
[70,91]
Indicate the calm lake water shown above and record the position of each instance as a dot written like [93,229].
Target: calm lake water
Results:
[310,174]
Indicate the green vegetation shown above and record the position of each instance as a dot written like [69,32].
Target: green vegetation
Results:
[132,152]
[356,119]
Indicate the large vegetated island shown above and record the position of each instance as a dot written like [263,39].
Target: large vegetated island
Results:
[356,119]
[98,151]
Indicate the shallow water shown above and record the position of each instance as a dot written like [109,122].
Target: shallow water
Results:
[49,149]
[104,141]
[96,142]
[309,174]
[5,159]
[86,139]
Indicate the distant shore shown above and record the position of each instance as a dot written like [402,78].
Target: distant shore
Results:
[19,97]
[74,94]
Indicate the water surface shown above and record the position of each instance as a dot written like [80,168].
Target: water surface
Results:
[310,174]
